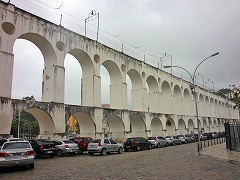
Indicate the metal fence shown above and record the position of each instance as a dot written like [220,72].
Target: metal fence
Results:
[232,131]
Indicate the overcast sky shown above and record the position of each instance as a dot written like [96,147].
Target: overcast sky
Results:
[189,30]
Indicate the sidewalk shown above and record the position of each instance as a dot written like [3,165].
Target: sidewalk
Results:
[220,151]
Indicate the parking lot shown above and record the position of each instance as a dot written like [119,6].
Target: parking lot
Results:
[173,162]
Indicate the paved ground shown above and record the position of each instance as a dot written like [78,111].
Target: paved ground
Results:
[175,162]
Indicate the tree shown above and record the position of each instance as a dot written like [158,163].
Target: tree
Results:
[29,126]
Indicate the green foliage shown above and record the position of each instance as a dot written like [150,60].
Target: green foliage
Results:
[29,126]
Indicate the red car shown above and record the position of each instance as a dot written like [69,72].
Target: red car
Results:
[82,143]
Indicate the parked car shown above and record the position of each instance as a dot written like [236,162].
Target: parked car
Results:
[192,137]
[43,147]
[136,143]
[16,153]
[3,140]
[175,140]
[82,143]
[184,139]
[202,137]
[104,146]
[65,147]
[158,141]
[208,135]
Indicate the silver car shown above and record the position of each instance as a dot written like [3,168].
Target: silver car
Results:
[174,139]
[16,153]
[104,146]
[158,141]
[65,147]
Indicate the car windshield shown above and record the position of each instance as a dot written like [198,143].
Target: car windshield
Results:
[151,138]
[96,141]
[179,135]
[68,142]
[16,145]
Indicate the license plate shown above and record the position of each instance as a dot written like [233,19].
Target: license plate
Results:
[127,146]
[17,154]
[49,152]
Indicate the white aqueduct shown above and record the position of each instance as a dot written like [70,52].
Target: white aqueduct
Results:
[170,109]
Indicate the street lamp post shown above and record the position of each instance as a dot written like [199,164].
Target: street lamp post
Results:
[193,87]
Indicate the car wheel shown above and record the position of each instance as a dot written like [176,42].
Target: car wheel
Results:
[72,154]
[180,143]
[166,144]
[103,152]
[59,152]
[138,148]
[150,147]
[120,150]
[35,154]
[80,151]
[158,145]
[31,166]
[126,150]
[91,153]
[173,143]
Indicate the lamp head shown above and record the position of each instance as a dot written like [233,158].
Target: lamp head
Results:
[167,66]
[215,54]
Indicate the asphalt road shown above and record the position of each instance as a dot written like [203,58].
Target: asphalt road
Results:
[174,162]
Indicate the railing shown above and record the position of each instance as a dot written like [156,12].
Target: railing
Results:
[232,130]
[211,142]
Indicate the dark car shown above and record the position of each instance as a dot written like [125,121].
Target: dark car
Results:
[43,147]
[136,143]
[82,143]
[208,135]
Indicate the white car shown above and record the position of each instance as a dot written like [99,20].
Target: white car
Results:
[16,153]
[158,141]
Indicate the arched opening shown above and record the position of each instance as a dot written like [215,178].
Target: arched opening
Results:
[188,107]
[214,129]
[191,127]
[182,127]
[79,73]
[166,89]
[156,127]
[86,124]
[137,127]
[73,74]
[134,84]
[177,100]
[115,84]
[170,126]
[27,70]
[72,127]
[28,126]
[205,129]
[153,93]
[116,127]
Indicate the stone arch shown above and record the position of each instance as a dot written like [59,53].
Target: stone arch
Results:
[191,126]
[116,127]
[153,93]
[214,127]
[156,127]
[182,127]
[177,92]
[137,89]
[138,127]
[46,124]
[85,62]
[86,124]
[50,58]
[171,127]
[186,94]
[205,125]
[166,89]
[115,84]
[201,98]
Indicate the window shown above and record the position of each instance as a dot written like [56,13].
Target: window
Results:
[16,145]
[112,142]
[106,141]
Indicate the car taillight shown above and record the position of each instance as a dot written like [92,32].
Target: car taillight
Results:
[66,146]
[3,154]
[135,143]
[29,152]
[99,144]
[41,147]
